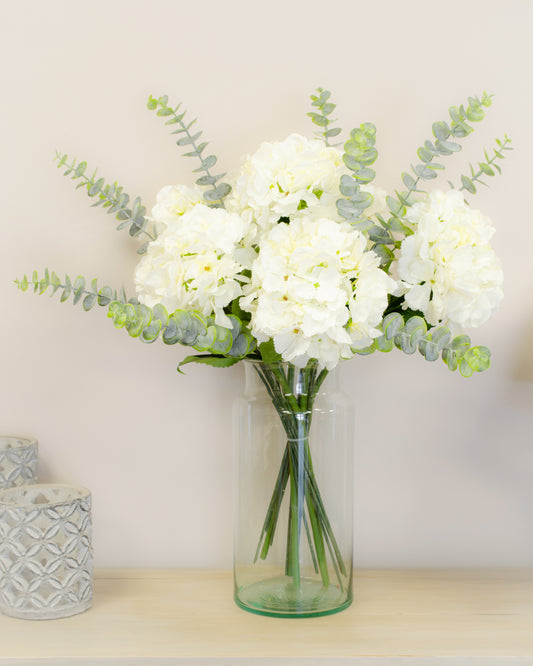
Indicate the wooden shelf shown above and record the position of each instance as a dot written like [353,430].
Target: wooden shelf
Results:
[177,617]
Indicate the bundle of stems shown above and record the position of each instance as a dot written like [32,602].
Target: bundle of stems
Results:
[293,391]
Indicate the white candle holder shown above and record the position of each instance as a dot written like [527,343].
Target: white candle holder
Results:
[18,461]
[45,551]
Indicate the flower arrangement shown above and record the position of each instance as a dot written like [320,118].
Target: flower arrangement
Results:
[296,258]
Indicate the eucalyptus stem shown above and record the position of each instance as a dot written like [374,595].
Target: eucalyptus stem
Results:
[111,196]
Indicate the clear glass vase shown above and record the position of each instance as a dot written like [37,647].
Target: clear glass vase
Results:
[294,492]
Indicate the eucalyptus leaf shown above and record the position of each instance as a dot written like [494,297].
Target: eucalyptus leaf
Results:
[214,196]
[320,117]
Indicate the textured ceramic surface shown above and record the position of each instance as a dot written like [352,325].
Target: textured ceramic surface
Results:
[45,551]
[18,461]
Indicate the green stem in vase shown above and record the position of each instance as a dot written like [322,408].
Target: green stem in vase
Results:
[295,521]
[269,527]
[318,539]
[293,395]
[328,530]
[311,546]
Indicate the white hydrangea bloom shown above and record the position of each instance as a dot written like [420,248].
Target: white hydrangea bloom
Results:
[448,268]
[283,176]
[192,264]
[315,291]
[297,177]
[172,202]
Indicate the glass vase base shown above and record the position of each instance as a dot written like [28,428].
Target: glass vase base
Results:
[279,597]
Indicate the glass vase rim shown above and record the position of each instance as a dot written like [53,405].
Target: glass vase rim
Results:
[281,364]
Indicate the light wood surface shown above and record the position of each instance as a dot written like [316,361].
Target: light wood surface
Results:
[145,617]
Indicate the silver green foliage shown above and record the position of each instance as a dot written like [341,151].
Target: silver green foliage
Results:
[186,327]
[488,168]
[359,155]
[384,234]
[445,144]
[321,118]
[111,197]
[78,288]
[216,190]
[412,333]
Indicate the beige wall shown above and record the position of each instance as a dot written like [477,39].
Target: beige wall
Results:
[444,466]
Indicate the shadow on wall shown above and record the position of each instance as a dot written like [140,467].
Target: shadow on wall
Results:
[522,368]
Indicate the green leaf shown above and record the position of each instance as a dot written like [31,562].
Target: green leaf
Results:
[66,290]
[383,344]
[475,115]
[209,161]
[440,130]
[424,172]
[408,181]
[80,169]
[485,168]
[392,324]
[385,254]
[396,208]
[349,209]
[468,184]
[214,360]
[460,130]
[243,344]
[96,187]
[89,301]
[189,139]
[424,155]
[428,349]
[151,332]
[206,180]
[223,190]
[348,186]
[447,147]
[171,334]
[465,368]
[269,353]
[451,358]
[223,341]
[364,176]
[319,120]
[206,341]
[105,295]
[455,113]
[478,358]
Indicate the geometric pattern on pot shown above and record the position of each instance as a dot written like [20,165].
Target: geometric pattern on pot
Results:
[46,568]
[18,461]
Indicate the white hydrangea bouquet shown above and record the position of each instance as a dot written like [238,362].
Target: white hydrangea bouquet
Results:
[296,260]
